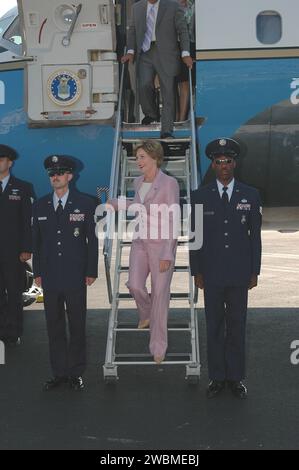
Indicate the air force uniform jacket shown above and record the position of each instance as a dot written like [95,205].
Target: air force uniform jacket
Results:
[65,252]
[231,250]
[15,213]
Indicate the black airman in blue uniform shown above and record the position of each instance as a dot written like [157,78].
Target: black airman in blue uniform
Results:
[15,246]
[227,265]
[65,261]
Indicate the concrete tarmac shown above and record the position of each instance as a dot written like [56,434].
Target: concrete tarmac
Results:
[153,407]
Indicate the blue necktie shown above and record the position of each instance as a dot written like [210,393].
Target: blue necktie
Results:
[150,23]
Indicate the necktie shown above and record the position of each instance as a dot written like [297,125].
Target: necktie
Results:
[150,22]
[1,188]
[225,196]
[59,209]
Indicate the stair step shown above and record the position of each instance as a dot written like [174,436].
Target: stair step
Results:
[129,328]
[178,125]
[179,295]
[177,269]
[171,325]
[123,295]
[134,140]
[144,359]
[173,296]
[170,158]
[129,243]
[132,177]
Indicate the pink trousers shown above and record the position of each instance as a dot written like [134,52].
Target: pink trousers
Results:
[145,259]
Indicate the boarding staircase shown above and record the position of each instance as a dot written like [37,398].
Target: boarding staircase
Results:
[123,334]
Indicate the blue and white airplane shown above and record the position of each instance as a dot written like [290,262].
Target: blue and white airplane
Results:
[59,81]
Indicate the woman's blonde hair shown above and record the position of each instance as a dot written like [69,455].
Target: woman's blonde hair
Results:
[154,149]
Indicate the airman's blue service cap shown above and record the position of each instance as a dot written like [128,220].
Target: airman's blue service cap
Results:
[223,146]
[59,162]
[6,151]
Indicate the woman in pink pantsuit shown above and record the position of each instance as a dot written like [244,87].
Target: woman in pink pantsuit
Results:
[154,246]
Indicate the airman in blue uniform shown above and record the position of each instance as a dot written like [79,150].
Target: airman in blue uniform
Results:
[65,261]
[227,264]
[15,246]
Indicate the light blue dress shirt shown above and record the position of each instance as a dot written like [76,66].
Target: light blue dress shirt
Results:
[63,199]
[4,182]
[230,188]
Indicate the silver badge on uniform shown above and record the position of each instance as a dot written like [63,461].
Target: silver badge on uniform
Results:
[54,159]
[76,232]
[243,219]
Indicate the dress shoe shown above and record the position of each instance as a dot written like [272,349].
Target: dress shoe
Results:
[148,120]
[76,383]
[54,382]
[215,387]
[167,135]
[159,359]
[238,389]
[143,324]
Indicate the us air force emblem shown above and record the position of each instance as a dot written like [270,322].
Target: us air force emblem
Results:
[64,87]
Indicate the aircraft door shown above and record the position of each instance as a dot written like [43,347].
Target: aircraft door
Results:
[73,75]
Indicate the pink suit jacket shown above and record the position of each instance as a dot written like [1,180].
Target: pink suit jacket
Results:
[164,191]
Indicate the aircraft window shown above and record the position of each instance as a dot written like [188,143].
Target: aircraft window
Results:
[4,23]
[13,33]
[269,27]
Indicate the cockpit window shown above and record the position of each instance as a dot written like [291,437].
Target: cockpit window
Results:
[269,27]
[4,23]
[13,33]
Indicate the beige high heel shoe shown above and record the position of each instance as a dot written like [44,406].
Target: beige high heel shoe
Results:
[143,324]
[159,359]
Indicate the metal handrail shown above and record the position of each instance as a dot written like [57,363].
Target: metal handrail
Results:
[194,181]
[113,185]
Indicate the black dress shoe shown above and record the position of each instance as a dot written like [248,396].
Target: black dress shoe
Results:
[54,382]
[215,387]
[148,120]
[76,383]
[238,389]
[166,135]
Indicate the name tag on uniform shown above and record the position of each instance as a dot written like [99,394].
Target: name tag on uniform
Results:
[209,213]
[77,217]
[42,218]
[243,207]
[13,197]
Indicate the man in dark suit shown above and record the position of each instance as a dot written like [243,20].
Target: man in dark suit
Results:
[227,264]
[153,34]
[65,261]
[15,246]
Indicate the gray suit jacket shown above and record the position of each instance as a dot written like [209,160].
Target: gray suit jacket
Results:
[171,26]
